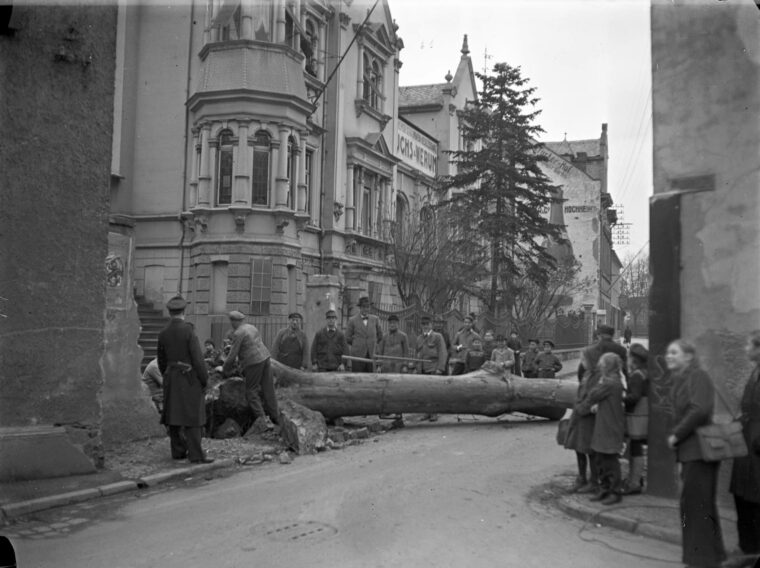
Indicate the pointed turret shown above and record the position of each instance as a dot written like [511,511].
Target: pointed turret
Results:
[465,47]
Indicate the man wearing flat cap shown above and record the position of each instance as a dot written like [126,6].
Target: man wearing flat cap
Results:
[290,347]
[606,344]
[184,373]
[329,346]
[363,333]
[249,350]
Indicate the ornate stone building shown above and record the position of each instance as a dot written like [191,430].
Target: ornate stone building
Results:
[246,171]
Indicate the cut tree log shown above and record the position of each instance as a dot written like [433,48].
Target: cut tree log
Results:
[480,392]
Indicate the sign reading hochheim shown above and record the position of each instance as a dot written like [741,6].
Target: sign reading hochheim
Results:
[416,149]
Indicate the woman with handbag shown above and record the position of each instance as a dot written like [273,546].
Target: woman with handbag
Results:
[636,409]
[692,399]
[745,477]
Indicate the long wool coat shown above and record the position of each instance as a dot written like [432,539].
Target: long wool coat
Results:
[609,426]
[183,391]
[692,397]
[745,477]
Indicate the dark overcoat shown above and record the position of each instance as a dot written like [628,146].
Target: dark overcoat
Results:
[692,397]
[580,430]
[185,376]
[745,477]
[609,425]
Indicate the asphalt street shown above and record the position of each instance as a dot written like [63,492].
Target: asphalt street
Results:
[470,493]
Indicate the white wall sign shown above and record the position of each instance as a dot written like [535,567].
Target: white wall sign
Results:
[416,149]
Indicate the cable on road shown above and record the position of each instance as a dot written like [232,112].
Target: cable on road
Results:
[592,519]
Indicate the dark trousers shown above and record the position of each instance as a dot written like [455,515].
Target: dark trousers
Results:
[361,366]
[516,370]
[748,524]
[186,442]
[700,523]
[530,374]
[457,368]
[608,470]
[259,386]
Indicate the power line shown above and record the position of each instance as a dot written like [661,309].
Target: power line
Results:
[359,30]
[630,263]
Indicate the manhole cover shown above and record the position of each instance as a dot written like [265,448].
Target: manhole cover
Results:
[296,531]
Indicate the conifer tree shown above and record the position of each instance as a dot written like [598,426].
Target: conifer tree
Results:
[499,186]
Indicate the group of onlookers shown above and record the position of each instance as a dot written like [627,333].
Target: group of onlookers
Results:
[614,382]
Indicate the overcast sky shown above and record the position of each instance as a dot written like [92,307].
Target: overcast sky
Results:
[589,59]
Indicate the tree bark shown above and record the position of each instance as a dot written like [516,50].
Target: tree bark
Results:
[479,392]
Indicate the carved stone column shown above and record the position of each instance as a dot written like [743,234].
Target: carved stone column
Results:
[241,194]
[246,20]
[282,169]
[301,197]
[360,201]
[350,189]
[204,179]
[279,10]
[193,200]
[359,69]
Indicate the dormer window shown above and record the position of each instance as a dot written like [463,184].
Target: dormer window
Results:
[372,82]
[309,47]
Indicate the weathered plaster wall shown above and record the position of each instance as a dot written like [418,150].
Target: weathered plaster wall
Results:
[128,413]
[706,118]
[706,104]
[581,213]
[56,84]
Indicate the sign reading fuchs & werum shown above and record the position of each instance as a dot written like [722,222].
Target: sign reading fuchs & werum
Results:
[417,149]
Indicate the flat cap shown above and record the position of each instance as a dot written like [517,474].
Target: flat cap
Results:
[236,315]
[639,351]
[176,303]
[548,342]
[364,301]
[393,317]
[606,330]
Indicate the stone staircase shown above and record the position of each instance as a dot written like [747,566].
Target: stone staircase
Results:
[152,321]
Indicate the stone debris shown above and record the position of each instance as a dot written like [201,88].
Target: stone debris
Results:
[302,429]
[285,458]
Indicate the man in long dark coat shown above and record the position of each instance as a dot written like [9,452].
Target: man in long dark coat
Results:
[181,363]
[606,344]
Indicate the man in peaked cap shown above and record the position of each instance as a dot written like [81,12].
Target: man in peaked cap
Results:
[184,373]
[606,344]
[249,349]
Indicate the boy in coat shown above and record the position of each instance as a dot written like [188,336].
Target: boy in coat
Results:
[529,369]
[328,346]
[547,363]
[363,333]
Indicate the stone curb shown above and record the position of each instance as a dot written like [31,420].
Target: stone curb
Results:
[617,521]
[14,510]
[156,478]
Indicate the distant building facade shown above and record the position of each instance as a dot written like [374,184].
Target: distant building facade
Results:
[579,167]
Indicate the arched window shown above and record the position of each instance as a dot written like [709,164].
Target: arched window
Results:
[427,220]
[262,143]
[224,169]
[367,82]
[292,172]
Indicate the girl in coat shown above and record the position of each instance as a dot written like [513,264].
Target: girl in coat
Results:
[606,401]
[692,400]
[638,388]
[581,427]
[745,477]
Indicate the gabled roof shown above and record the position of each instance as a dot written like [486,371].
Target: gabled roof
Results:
[421,95]
[592,147]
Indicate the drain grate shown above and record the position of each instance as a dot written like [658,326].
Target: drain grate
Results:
[296,531]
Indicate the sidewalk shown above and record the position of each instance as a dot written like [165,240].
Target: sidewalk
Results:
[646,515]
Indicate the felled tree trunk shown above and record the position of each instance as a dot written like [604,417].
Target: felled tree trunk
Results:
[479,392]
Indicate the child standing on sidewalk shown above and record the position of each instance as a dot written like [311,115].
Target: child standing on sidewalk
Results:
[475,357]
[547,363]
[606,401]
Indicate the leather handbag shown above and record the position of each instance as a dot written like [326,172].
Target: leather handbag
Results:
[562,429]
[722,441]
